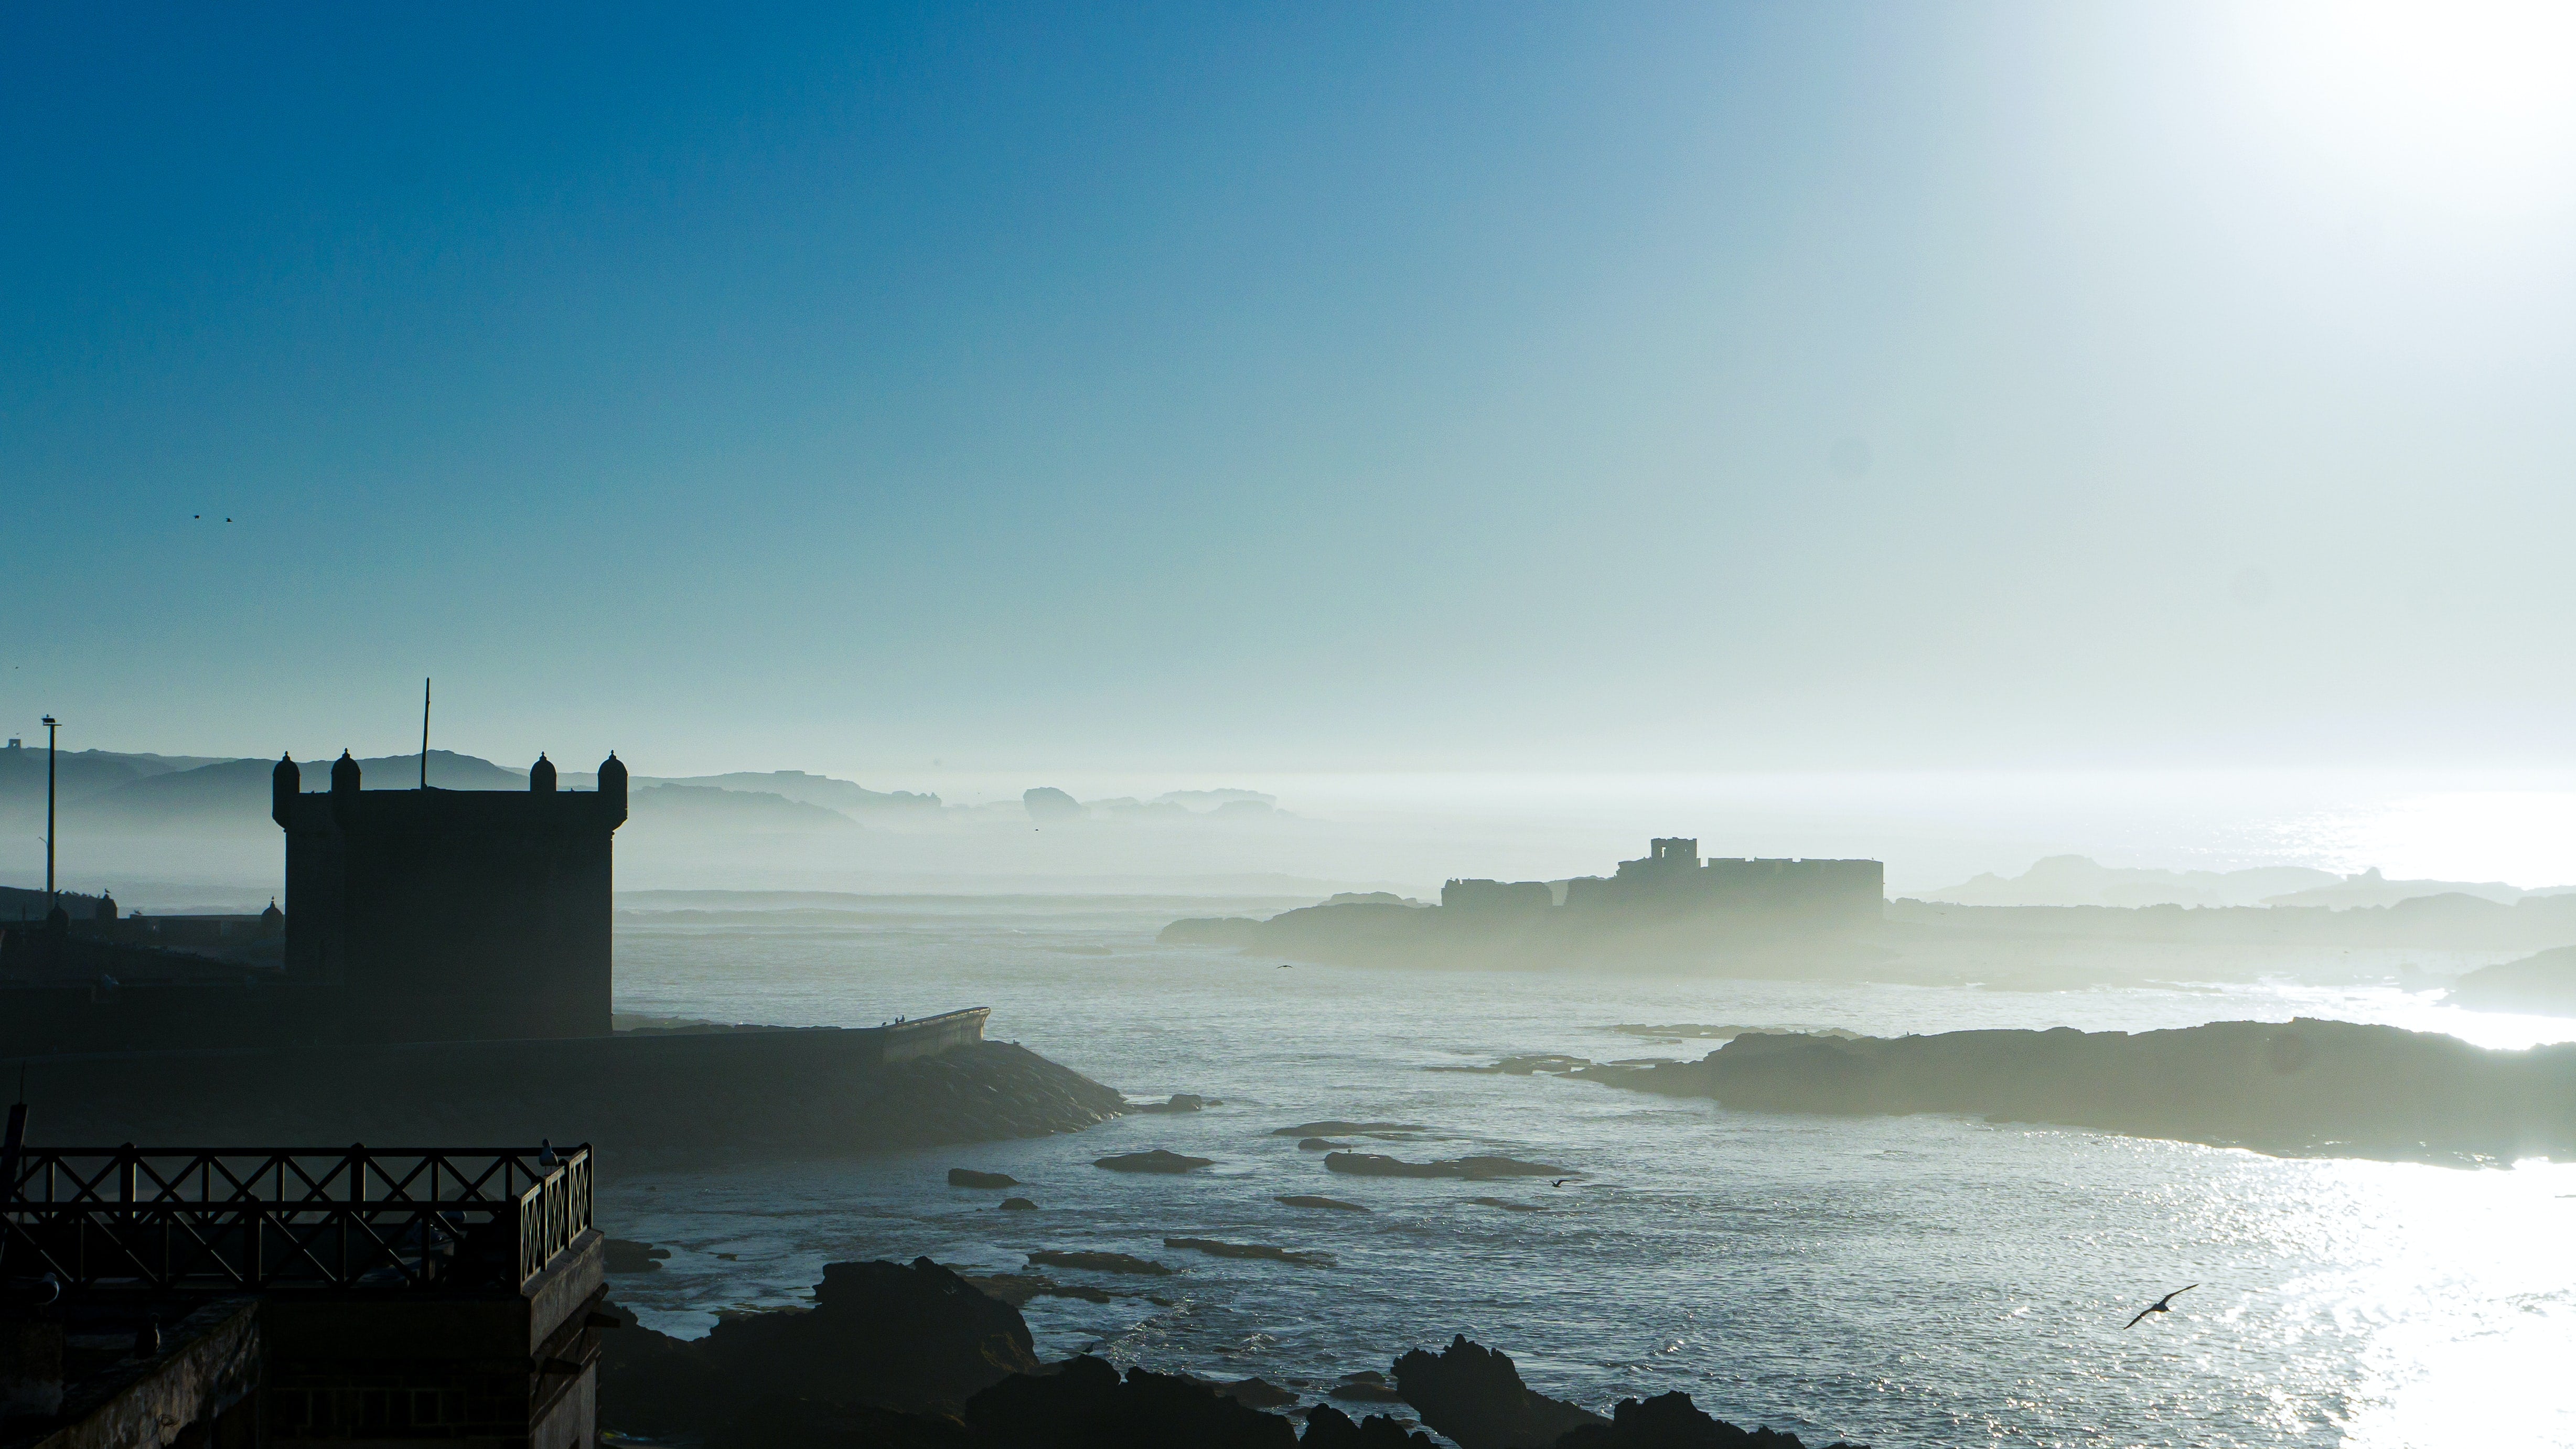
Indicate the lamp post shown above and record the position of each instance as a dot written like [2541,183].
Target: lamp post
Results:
[51,725]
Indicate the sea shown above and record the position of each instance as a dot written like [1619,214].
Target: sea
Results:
[1893,1281]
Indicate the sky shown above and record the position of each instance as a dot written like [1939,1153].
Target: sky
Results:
[1323,387]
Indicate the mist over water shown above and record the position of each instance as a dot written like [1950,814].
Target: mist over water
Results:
[1900,1281]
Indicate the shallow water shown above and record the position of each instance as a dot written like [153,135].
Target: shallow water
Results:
[1897,1281]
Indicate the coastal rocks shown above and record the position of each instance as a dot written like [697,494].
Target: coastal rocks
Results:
[1672,1421]
[2304,1087]
[1528,1064]
[624,1255]
[1178,1102]
[1157,1160]
[1215,1248]
[1253,1393]
[1087,1405]
[1330,1428]
[1474,1395]
[1016,1289]
[1367,1386]
[1018,1205]
[1337,1127]
[1319,1144]
[968,1177]
[1473,1169]
[1098,1262]
[1210,931]
[2542,985]
[883,1341]
[1507,1205]
[1308,1200]
[911,1337]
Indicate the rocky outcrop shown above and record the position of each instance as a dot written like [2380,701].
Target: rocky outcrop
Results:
[2304,1087]
[1157,1160]
[1087,1405]
[1672,1421]
[1336,1127]
[1217,1248]
[2542,985]
[1330,1428]
[1475,1395]
[1098,1262]
[914,1357]
[969,1177]
[1473,1169]
[1309,1200]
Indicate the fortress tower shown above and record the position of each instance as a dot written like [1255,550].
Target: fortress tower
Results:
[449,915]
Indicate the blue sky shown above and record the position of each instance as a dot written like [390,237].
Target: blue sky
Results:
[1310,387]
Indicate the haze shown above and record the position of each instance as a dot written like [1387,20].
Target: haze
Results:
[1189,393]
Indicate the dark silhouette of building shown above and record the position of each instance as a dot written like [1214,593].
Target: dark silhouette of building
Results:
[443,915]
[1671,879]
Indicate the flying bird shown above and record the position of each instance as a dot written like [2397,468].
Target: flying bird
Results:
[1560,1182]
[2161,1305]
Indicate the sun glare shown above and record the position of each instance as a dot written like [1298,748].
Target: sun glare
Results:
[2466,100]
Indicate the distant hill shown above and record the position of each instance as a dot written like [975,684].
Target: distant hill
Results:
[78,774]
[709,808]
[233,794]
[2370,888]
[822,790]
[2075,880]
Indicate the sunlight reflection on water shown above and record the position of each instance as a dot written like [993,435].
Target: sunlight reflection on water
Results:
[1901,1281]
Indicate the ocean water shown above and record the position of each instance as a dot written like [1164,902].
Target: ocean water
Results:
[1913,1281]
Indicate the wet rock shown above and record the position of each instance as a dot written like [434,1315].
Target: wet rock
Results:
[1671,1421]
[1157,1160]
[969,1177]
[901,1337]
[1018,1205]
[1336,1125]
[1256,1393]
[1507,1205]
[1524,1065]
[1086,1405]
[1475,1396]
[1217,1249]
[1474,1169]
[1180,1102]
[1319,1144]
[1099,1262]
[1330,1428]
[1368,1386]
[624,1255]
[1307,1200]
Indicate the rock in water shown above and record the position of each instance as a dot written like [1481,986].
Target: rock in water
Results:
[1098,1262]
[1330,1428]
[1157,1160]
[1018,1205]
[1180,1102]
[1474,1395]
[1337,1125]
[1306,1200]
[1506,1204]
[1218,1249]
[911,1338]
[1671,1421]
[1474,1169]
[1086,1405]
[1319,1144]
[625,1255]
[969,1177]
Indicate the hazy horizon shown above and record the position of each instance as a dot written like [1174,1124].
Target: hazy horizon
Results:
[1679,389]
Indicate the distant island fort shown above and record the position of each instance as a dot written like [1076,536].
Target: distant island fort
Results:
[1668,902]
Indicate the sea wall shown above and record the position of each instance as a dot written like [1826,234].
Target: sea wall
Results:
[644,1099]
[2298,1088]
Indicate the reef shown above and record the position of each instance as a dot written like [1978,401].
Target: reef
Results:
[916,1357]
[1473,1169]
[2297,1088]
[2542,985]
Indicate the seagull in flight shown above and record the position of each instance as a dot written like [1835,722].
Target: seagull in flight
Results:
[1560,1182]
[2161,1305]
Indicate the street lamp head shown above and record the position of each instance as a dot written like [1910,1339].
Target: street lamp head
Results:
[50,721]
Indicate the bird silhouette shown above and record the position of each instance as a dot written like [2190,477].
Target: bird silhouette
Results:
[2161,1305]
[1560,1182]
[546,1158]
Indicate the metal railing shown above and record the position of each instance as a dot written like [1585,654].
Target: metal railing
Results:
[256,1218]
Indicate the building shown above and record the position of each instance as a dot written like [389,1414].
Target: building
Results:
[451,915]
[1671,880]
